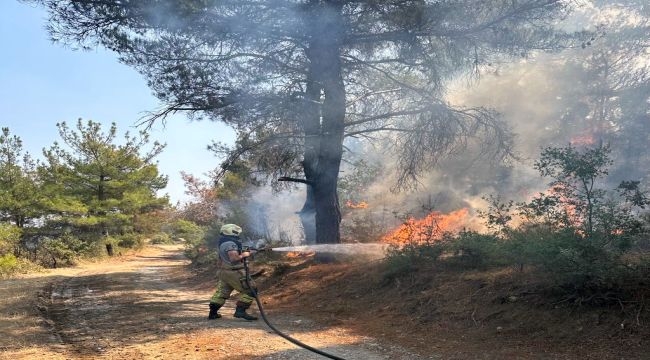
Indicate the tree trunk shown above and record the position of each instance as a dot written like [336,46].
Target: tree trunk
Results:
[20,220]
[324,118]
[308,217]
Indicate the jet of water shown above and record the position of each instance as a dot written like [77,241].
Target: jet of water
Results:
[349,249]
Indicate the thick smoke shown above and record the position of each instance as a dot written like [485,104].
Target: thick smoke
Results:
[577,97]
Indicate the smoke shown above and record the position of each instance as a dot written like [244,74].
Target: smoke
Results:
[274,215]
[581,97]
[546,99]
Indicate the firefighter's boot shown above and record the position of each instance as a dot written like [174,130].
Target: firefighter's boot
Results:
[240,312]
[213,311]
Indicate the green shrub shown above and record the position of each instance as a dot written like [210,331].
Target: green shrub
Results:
[9,238]
[61,251]
[8,263]
[474,250]
[187,230]
[204,259]
[400,261]
[130,241]
[567,259]
[578,236]
[194,236]
[161,238]
[202,251]
[11,265]
[467,249]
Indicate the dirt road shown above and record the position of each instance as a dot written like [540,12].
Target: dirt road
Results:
[149,306]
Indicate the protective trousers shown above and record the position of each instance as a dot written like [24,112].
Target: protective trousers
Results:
[230,280]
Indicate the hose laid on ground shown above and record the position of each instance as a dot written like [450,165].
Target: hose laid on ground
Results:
[285,336]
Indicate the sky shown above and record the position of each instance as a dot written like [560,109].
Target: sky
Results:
[42,83]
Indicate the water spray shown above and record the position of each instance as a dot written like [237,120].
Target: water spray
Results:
[351,249]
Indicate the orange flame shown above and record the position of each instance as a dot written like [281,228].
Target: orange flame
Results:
[569,208]
[359,205]
[430,228]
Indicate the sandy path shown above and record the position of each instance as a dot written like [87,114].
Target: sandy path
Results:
[146,306]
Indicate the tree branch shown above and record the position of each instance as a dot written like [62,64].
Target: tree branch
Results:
[303,181]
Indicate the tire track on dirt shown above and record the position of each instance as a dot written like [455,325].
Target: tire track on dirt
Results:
[101,310]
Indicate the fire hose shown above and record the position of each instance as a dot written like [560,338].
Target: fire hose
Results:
[263,314]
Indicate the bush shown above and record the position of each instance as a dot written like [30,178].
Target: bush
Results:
[9,238]
[468,249]
[8,263]
[570,261]
[11,265]
[592,246]
[397,265]
[475,250]
[203,258]
[130,241]
[187,230]
[400,261]
[202,251]
[161,238]
[61,251]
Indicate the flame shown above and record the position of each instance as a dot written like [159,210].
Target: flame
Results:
[359,205]
[429,228]
[570,208]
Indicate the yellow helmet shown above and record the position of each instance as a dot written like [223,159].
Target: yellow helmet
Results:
[231,229]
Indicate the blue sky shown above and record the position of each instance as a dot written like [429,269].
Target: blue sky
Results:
[42,83]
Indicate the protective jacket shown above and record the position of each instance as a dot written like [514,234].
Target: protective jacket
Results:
[229,243]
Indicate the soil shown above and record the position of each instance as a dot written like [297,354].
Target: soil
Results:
[152,305]
[451,314]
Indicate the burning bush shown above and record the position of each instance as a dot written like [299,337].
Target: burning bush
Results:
[590,244]
[428,229]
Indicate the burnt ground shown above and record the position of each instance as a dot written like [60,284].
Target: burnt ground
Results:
[151,305]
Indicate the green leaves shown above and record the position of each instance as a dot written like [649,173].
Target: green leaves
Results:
[569,165]
[105,177]
[20,197]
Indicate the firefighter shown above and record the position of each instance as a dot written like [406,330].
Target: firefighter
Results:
[231,275]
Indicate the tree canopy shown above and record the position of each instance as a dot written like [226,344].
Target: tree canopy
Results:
[295,78]
[20,200]
[89,190]
[109,182]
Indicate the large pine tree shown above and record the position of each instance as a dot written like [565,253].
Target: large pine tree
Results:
[296,77]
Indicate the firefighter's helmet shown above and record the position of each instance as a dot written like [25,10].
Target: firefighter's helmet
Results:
[231,229]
